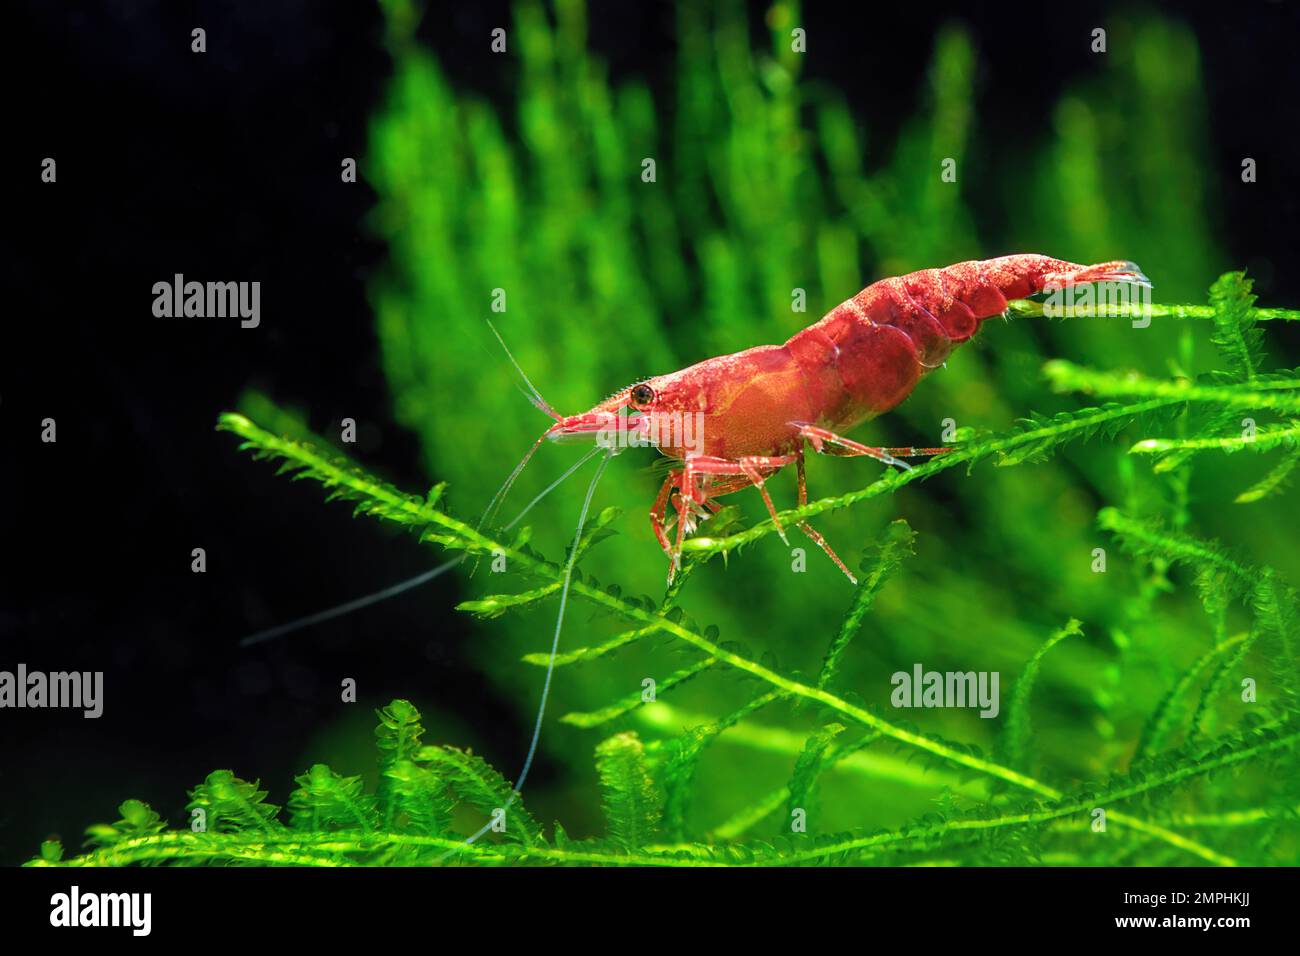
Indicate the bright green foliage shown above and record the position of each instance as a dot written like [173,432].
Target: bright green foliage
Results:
[1164,721]
[633,804]
[1236,333]
[896,546]
[684,758]
[412,798]
[1016,742]
[635,699]
[768,182]
[326,801]
[497,604]
[812,761]
[138,819]
[398,734]
[989,810]
[480,786]
[228,803]
[1276,480]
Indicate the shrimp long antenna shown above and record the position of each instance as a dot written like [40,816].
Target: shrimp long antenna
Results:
[555,649]
[348,607]
[552,486]
[534,396]
[393,590]
[502,491]
[534,393]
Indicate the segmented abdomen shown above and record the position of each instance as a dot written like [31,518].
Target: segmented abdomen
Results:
[866,354]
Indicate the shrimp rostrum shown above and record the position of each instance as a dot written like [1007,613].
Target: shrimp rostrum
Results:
[734,421]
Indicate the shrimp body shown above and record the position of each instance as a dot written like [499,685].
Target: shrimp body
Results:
[750,413]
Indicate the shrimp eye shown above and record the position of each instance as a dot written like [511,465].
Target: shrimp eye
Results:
[643,394]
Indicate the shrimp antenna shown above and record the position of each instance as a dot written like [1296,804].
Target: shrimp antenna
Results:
[501,492]
[534,395]
[424,576]
[393,590]
[555,649]
[552,486]
[354,605]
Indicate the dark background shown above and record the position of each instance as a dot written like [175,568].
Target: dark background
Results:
[226,166]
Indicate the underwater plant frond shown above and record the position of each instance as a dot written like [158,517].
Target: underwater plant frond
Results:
[1221,577]
[1236,335]
[632,802]
[398,734]
[138,820]
[1031,440]
[634,811]
[497,604]
[1272,392]
[1274,482]
[1219,571]
[1030,309]
[887,558]
[812,761]
[345,480]
[478,784]
[410,797]
[326,801]
[1016,734]
[1263,439]
[1277,615]
[584,654]
[678,774]
[1212,694]
[227,803]
[632,701]
[1163,721]
[414,799]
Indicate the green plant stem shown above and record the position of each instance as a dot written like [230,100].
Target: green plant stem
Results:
[324,849]
[1027,308]
[1068,377]
[1081,806]
[1263,440]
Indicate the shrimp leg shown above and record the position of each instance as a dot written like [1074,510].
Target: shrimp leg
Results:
[807,529]
[693,496]
[660,507]
[754,470]
[819,438]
